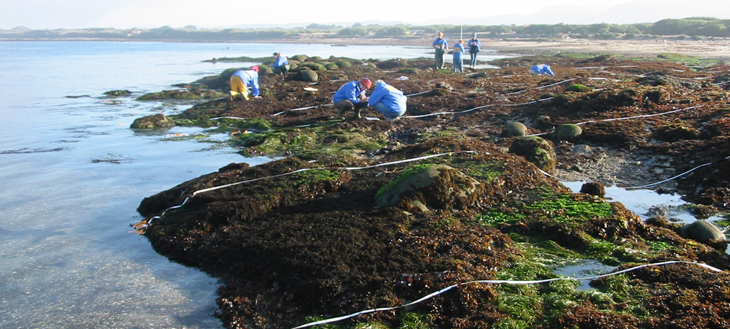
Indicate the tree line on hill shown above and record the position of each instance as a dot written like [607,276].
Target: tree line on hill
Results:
[693,27]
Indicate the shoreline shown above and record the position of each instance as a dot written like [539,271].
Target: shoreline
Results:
[708,49]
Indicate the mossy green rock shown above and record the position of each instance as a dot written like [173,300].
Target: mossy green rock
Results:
[567,132]
[577,88]
[186,94]
[307,75]
[157,121]
[514,128]
[536,150]
[430,187]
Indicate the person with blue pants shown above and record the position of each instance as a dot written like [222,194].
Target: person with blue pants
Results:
[388,100]
[458,59]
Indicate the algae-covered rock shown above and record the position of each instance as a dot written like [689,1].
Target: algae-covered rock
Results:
[577,88]
[514,128]
[307,75]
[536,150]
[117,93]
[432,186]
[567,132]
[186,94]
[157,121]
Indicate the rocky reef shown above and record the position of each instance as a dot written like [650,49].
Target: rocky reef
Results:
[361,213]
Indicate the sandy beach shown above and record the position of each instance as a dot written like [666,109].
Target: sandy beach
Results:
[717,49]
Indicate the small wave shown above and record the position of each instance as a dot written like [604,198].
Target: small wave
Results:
[26,150]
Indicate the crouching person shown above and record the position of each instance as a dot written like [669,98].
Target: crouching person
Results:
[351,96]
[242,80]
[387,100]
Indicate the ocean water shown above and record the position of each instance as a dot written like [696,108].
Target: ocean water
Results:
[72,175]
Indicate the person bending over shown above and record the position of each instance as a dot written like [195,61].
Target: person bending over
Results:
[351,96]
[241,80]
[387,100]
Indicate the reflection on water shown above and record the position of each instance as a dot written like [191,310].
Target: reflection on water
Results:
[647,203]
[583,269]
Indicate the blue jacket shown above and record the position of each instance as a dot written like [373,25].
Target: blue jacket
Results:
[542,69]
[250,79]
[393,99]
[350,91]
[476,43]
[441,42]
[458,50]
[281,60]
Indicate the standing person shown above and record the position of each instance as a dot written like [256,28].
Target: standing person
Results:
[281,64]
[441,47]
[474,46]
[241,80]
[458,60]
[351,96]
[541,69]
[387,100]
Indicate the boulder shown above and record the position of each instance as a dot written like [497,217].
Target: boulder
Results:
[704,232]
[157,121]
[536,150]
[567,132]
[593,188]
[514,128]
[307,75]
[430,187]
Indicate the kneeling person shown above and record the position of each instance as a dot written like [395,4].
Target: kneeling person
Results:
[351,96]
[387,100]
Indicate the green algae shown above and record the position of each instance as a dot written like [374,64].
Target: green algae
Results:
[403,176]
[312,176]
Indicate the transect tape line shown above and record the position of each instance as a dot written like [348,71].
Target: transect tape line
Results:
[428,91]
[144,224]
[628,118]
[516,282]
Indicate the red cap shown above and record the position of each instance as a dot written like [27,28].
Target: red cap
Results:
[255,68]
[366,82]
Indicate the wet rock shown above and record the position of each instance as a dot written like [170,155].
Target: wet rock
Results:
[593,188]
[157,121]
[430,186]
[514,128]
[705,232]
[118,93]
[536,150]
[186,94]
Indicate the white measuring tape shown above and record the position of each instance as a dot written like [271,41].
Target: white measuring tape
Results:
[516,282]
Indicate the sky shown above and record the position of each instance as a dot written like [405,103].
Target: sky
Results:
[125,14]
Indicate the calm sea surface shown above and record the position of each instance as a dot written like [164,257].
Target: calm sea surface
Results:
[72,174]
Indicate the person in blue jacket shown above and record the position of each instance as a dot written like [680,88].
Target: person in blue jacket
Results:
[474,46]
[351,96]
[387,100]
[441,46]
[541,69]
[458,59]
[241,80]
[281,64]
